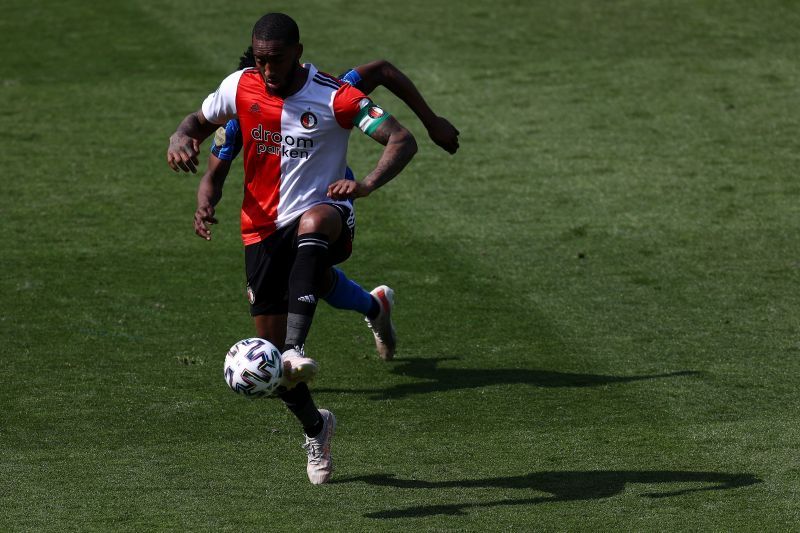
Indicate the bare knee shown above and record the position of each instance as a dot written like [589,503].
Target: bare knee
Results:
[323,219]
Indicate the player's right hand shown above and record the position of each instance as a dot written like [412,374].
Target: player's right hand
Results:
[202,218]
[444,134]
[345,189]
[182,153]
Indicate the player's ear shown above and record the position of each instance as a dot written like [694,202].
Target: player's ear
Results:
[299,51]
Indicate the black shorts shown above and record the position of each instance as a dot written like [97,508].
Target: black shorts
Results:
[269,262]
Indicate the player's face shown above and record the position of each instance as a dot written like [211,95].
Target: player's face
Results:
[277,62]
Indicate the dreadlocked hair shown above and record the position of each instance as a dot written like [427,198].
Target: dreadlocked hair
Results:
[247,60]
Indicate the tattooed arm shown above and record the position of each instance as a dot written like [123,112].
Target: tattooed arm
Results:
[400,147]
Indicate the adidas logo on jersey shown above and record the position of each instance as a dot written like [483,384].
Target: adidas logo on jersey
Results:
[255,109]
[309,299]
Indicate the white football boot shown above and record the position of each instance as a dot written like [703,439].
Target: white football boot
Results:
[297,368]
[318,449]
[382,327]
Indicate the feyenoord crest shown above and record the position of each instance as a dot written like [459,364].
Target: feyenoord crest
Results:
[375,111]
[308,120]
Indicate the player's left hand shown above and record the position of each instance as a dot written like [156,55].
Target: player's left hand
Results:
[444,134]
[345,189]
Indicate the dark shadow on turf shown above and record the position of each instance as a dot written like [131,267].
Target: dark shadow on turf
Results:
[446,379]
[562,487]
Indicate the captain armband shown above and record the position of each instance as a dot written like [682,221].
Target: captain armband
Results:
[370,116]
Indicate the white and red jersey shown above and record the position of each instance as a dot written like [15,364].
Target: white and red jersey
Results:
[293,148]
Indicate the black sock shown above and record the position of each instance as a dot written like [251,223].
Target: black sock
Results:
[300,403]
[305,279]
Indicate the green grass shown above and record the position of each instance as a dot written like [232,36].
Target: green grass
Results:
[597,296]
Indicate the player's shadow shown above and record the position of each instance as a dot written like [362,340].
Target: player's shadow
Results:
[436,379]
[561,487]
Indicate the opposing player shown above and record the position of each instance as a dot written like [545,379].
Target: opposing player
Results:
[337,289]
[296,122]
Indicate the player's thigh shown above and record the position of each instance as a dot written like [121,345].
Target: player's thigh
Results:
[341,248]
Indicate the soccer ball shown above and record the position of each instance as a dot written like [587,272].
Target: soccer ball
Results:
[254,368]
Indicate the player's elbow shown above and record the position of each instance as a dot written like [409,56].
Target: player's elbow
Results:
[386,69]
[409,143]
[413,146]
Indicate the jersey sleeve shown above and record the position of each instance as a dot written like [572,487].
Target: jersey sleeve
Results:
[352,77]
[227,141]
[220,106]
[353,108]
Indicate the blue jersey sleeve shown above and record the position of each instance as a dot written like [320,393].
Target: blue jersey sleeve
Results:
[352,77]
[227,141]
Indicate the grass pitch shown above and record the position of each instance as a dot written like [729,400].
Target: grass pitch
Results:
[597,296]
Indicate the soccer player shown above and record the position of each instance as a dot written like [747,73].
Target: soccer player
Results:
[296,122]
[339,291]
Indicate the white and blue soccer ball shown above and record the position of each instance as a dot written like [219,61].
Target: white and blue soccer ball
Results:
[253,368]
